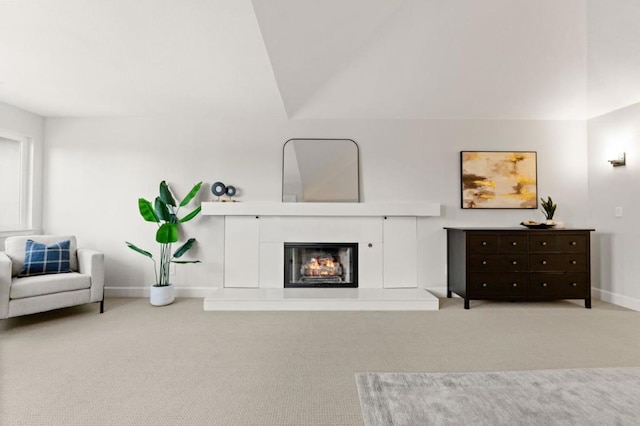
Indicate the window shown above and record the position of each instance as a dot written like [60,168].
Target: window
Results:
[15,181]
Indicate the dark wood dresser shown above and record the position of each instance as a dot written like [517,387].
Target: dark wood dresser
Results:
[519,264]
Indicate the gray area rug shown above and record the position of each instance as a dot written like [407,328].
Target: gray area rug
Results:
[600,396]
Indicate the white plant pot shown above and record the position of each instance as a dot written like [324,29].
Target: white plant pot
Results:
[162,295]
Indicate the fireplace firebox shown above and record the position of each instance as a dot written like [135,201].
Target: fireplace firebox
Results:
[321,265]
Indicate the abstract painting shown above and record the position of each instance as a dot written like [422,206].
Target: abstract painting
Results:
[499,180]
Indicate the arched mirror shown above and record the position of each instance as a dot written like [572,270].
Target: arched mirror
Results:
[320,170]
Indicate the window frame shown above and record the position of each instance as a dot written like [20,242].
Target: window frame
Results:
[26,183]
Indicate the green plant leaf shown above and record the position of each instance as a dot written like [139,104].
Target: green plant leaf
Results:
[185,261]
[191,194]
[146,210]
[162,211]
[167,233]
[184,248]
[191,215]
[139,250]
[165,194]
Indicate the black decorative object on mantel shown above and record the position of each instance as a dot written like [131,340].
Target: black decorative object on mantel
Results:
[219,189]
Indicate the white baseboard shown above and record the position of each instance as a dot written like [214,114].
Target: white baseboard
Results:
[616,299]
[144,291]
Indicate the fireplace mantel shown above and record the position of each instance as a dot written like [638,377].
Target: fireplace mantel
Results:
[265,208]
[255,234]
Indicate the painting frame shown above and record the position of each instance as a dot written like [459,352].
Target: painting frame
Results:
[499,180]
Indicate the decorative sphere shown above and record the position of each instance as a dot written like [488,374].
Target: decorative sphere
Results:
[219,189]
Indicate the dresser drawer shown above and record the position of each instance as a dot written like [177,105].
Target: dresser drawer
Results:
[503,285]
[559,286]
[512,243]
[497,262]
[556,262]
[572,243]
[483,243]
[543,243]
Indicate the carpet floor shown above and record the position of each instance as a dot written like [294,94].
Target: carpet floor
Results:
[178,365]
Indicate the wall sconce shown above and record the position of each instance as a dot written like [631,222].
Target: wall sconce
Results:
[620,160]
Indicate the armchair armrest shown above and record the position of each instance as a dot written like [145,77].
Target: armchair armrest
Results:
[91,262]
[5,284]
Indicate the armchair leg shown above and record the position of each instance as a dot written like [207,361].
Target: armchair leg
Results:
[102,306]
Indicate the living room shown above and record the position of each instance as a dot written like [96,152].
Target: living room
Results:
[116,98]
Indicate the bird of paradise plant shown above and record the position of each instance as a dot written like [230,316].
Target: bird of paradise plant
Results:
[164,212]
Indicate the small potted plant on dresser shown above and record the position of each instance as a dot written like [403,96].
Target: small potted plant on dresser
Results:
[548,209]
[164,212]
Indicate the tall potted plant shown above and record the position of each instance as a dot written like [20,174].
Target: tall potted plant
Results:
[164,212]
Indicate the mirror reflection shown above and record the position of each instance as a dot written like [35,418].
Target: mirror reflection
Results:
[320,170]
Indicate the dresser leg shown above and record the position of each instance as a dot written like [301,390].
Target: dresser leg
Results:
[448,294]
[587,303]
[466,303]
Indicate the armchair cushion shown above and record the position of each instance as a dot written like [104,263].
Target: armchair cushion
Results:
[40,259]
[48,284]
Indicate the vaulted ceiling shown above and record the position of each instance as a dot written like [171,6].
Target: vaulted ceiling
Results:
[396,59]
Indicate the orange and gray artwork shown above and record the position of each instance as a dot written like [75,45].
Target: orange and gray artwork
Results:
[499,180]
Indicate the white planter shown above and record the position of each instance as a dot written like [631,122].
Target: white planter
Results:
[161,295]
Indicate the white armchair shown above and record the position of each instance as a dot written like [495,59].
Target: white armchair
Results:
[39,293]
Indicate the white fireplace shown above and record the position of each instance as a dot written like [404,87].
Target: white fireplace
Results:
[384,234]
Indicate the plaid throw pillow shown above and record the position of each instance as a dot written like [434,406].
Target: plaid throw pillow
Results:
[40,259]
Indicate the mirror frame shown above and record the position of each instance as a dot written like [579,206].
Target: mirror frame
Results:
[359,200]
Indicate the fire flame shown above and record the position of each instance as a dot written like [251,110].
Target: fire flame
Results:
[321,266]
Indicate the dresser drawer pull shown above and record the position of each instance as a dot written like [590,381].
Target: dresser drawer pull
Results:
[484,262]
[484,243]
[515,262]
[544,243]
[544,262]
[544,284]
[515,284]
[514,243]
[484,284]
[574,284]
[574,262]
[574,243]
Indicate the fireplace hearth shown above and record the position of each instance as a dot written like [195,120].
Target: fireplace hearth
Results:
[324,265]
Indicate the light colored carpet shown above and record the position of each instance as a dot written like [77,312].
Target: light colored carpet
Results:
[177,365]
[600,396]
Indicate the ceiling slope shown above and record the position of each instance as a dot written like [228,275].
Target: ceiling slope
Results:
[614,57]
[144,57]
[392,59]
[511,59]
[308,41]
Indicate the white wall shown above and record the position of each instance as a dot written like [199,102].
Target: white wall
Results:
[617,245]
[614,93]
[97,168]
[31,125]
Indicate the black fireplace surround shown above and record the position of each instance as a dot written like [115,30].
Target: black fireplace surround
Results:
[314,265]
